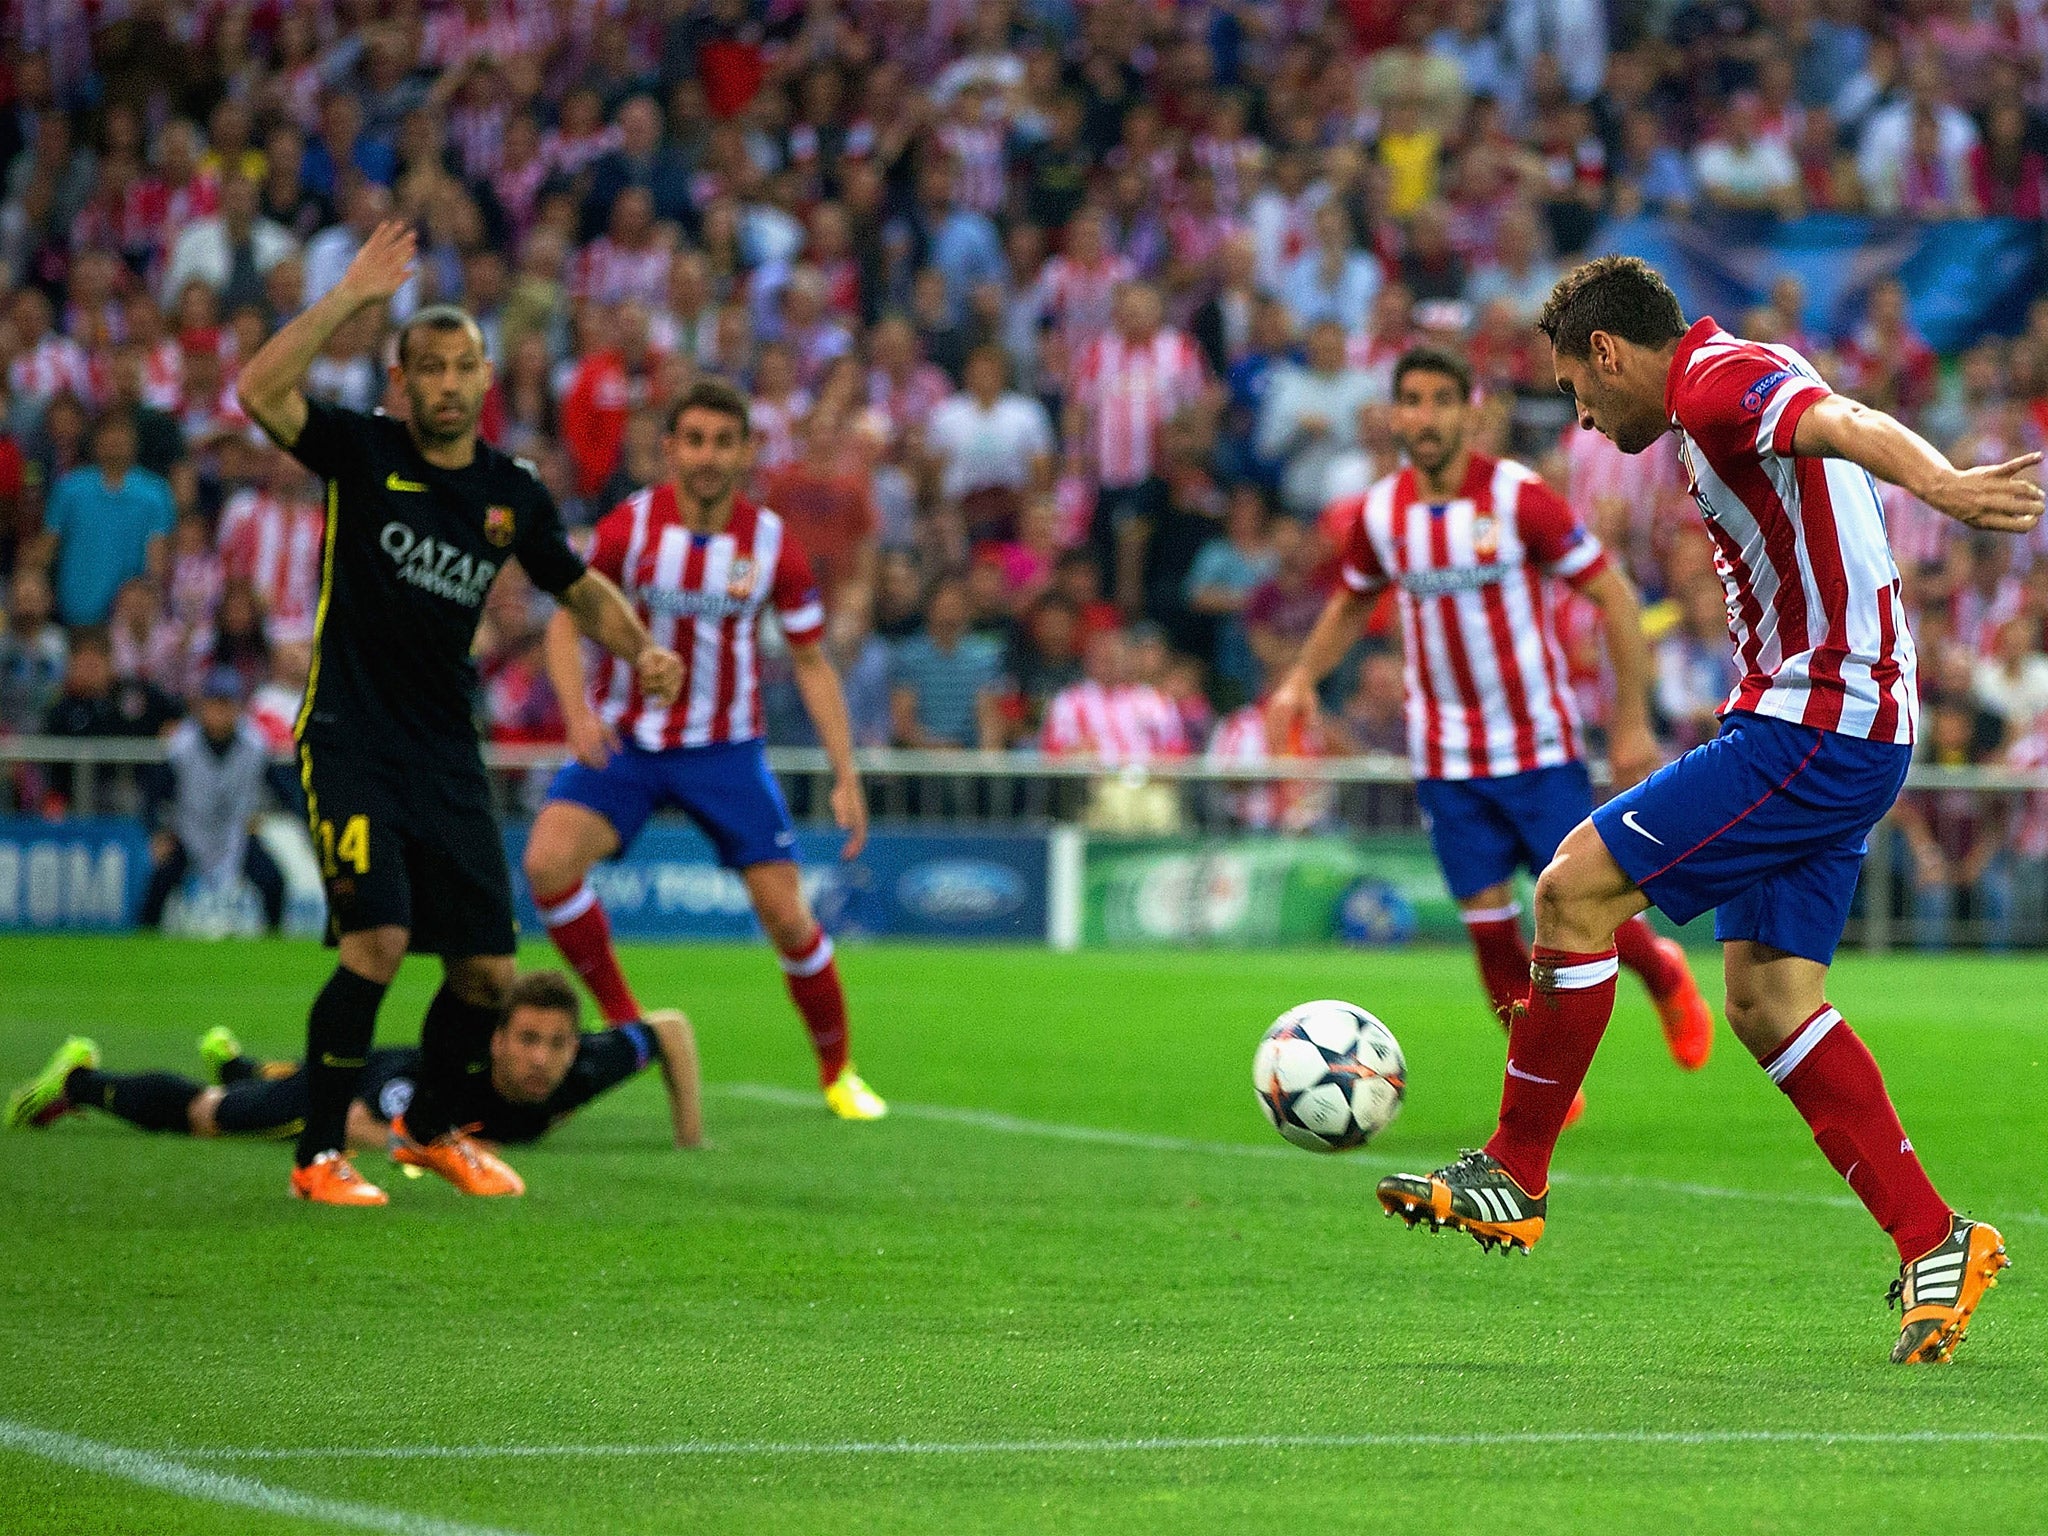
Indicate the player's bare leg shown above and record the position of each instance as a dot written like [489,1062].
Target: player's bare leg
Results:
[813,976]
[455,1036]
[339,1032]
[1501,1194]
[1778,1008]
[566,841]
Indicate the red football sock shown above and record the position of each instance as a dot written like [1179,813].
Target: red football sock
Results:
[1831,1079]
[1503,955]
[576,922]
[813,979]
[1636,942]
[1551,1043]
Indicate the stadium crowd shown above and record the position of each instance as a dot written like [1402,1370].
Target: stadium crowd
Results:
[1062,323]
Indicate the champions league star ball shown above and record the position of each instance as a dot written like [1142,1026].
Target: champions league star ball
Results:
[1329,1076]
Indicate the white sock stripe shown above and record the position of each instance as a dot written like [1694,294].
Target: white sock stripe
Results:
[1577,978]
[570,907]
[812,961]
[1492,914]
[1802,1045]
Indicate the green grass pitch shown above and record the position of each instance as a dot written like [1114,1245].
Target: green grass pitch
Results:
[984,1316]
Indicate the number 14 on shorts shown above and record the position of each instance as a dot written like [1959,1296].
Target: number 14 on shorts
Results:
[352,847]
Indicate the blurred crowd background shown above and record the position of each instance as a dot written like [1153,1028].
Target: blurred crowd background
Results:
[1064,321]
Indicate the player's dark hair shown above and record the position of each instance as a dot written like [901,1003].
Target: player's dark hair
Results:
[1622,295]
[1434,360]
[550,991]
[712,394]
[438,317]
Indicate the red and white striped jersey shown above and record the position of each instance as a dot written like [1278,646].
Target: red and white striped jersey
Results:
[1117,726]
[978,148]
[56,363]
[274,544]
[1129,392]
[1290,805]
[1488,688]
[774,424]
[1814,606]
[703,597]
[1077,300]
[609,273]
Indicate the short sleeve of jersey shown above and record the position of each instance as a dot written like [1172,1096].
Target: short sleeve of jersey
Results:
[605,1058]
[614,534]
[331,439]
[1360,567]
[797,602]
[543,545]
[1747,401]
[1558,543]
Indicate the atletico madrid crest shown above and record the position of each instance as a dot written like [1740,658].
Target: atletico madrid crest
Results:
[498,525]
[739,582]
[1485,536]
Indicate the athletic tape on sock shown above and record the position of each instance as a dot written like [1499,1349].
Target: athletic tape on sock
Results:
[811,961]
[569,908]
[1551,977]
[1800,1046]
[1504,914]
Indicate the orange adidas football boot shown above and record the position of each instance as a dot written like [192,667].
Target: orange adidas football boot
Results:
[1687,1019]
[459,1158]
[1940,1289]
[330,1179]
[1473,1195]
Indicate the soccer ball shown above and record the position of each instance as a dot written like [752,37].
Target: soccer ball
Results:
[1329,1076]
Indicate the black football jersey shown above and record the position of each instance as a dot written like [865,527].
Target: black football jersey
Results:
[409,553]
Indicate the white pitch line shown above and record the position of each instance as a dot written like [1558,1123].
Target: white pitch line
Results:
[838,1448]
[225,1488]
[1140,1141]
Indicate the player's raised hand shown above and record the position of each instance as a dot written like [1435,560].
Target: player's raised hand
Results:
[383,264]
[850,810]
[661,674]
[2004,498]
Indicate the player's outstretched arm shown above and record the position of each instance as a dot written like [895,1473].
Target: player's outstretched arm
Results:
[2005,498]
[1631,745]
[1294,700]
[818,685]
[591,741]
[601,611]
[679,1074]
[268,385]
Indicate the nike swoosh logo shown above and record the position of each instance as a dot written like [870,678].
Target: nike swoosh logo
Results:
[1530,1077]
[1628,819]
[393,482]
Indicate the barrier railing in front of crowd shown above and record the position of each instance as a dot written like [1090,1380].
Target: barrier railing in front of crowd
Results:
[966,790]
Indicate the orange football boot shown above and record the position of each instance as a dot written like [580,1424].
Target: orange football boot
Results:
[330,1179]
[1474,1195]
[1941,1289]
[1687,1019]
[459,1158]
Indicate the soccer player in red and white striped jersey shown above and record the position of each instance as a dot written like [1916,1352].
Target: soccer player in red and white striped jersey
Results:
[1767,824]
[1474,548]
[702,567]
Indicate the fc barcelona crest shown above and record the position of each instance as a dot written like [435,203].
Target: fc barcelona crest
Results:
[739,582]
[1485,536]
[498,525]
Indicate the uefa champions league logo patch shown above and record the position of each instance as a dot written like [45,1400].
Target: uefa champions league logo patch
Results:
[739,582]
[1760,391]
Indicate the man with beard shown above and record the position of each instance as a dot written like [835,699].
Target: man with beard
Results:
[420,516]
[1476,547]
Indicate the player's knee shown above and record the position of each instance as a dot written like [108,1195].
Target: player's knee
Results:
[551,866]
[200,1114]
[1557,896]
[374,953]
[482,980]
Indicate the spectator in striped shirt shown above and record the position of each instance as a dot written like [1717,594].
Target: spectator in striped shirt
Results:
[945,682]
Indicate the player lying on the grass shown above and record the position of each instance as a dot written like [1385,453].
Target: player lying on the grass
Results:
[1765,825]
[420,517]
[702,567]
[1473,547]
[543,1068]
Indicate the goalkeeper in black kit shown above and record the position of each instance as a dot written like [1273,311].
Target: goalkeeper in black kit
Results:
[542,1068]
